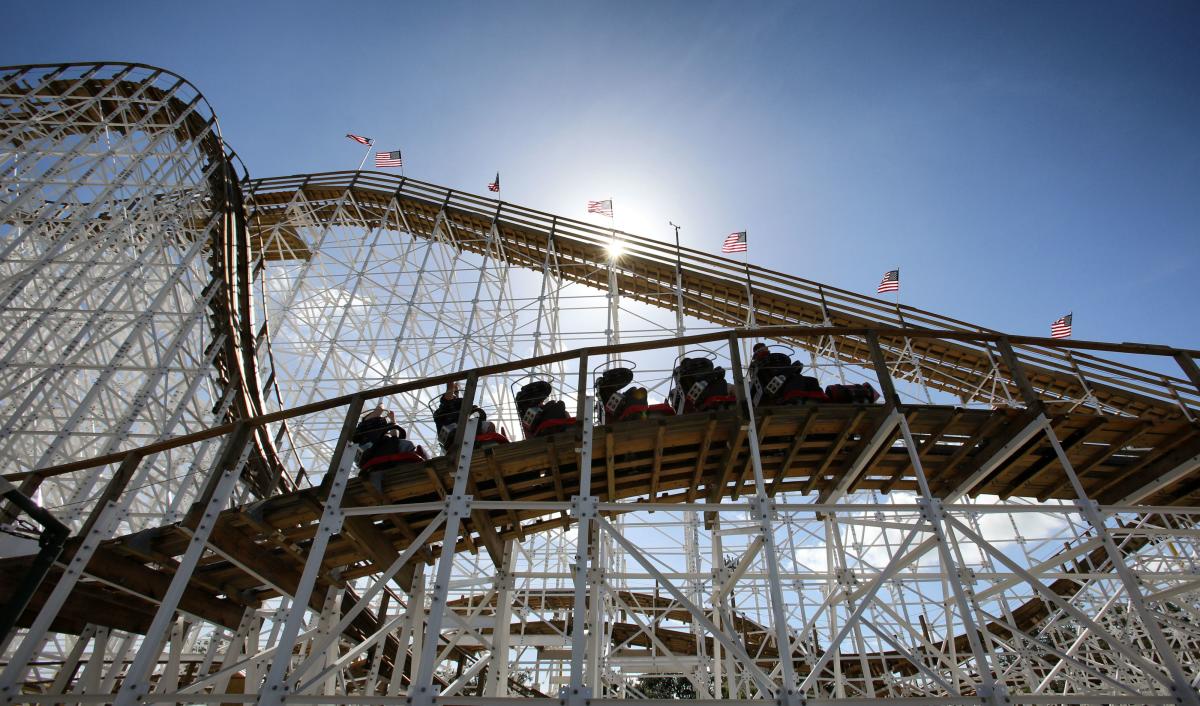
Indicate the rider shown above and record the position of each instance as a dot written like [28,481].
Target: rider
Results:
[382,441]
[445,418]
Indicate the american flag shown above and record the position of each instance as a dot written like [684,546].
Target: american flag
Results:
[360,139]
[495,185]
[388,159]
[604,208]
[890,282]
[1061,328]
[735,242]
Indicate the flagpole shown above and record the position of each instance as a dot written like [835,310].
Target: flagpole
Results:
[614,303]
[368,154]
[679,328]
[752,321]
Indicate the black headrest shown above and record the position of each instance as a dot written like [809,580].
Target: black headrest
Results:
[695,365]
[534,392]
[615,377]
[776,360]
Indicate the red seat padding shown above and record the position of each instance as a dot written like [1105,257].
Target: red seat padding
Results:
[658,410]
[814,395]
[551,425]
[394,459]
[717,401]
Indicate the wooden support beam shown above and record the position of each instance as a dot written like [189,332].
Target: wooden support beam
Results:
[370,540]
[792,451]
[1017,373]
[715,491]
[135,577]
[1048,457]
[367,485]
[552,456]
[1023,430]
[1121,442]
[1168,470]
[656,466]
[267,533]
[948,474]
[869,447]
[890,398]
[923,454]
[749,463]
[1189,367]
[702,458]
[274,570]
[610,463]
[435,480]
[1163,450]
[502,488]
[839,441]
[482,520]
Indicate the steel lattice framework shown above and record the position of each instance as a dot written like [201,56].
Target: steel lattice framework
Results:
[188,350]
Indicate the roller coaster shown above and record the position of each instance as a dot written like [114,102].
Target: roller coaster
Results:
[189,352]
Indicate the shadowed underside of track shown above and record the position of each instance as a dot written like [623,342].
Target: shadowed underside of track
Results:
[260,549]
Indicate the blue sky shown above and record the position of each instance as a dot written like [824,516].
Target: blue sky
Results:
[1016,161]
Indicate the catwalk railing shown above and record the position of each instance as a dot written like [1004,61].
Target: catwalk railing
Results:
[1186,402]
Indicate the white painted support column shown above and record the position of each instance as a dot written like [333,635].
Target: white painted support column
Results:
[118,662]
[238,647]
[458,507]
[411,630]
[275,689]
[763,511]
[584,510]
[136,684]
[71,663]
[328,655]
[89,681]
[718,564]
[497,677]
[933,514]
[331,635]
[169,681]
[960,582]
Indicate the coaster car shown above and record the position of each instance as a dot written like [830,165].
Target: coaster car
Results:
[699,385]
[381,442]
[775,379]
[445,420]
[539,414]
[862,393]
[633,403]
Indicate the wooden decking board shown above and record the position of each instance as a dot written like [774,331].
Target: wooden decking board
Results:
[1046,458]
[793,451]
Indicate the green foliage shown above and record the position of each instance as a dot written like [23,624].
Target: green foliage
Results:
[666,687]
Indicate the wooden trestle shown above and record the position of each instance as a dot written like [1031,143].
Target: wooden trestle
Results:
[260,548]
